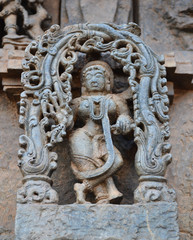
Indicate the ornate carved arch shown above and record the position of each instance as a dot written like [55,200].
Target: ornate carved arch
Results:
[46,116]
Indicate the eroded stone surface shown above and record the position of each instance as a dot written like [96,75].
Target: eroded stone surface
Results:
[180,172]
[81,11]
[166,25]
[97,222]
[10,177]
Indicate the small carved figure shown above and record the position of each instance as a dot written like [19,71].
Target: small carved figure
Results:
[80,11]
[11,9]
[33,23]
[95,159]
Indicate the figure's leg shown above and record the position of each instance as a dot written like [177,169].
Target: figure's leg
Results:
[101,194]
[80,191]
[98,185]
[100,190]
[81,149]
[114,195]
[118,162]
[10,24]
[103,187]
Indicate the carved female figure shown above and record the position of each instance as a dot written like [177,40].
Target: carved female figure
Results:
[95,159]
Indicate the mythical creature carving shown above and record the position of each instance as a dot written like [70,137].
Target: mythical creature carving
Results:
[11,10]
[48,112]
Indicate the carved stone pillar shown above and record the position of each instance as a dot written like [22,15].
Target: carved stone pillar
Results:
[151,131]
[151,134]
[36,161]
[40,109]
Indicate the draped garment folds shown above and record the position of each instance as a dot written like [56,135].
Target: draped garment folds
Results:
[102,144]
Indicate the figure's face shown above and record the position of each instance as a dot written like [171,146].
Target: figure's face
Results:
[95,80]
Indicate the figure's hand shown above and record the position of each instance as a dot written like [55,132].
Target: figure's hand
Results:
[123,125]
[51,108]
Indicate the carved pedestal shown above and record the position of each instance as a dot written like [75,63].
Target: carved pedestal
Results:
[153,189]
[93,222]
[37,189]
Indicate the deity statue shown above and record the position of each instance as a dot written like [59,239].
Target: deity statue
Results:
[48,112]
[95,159]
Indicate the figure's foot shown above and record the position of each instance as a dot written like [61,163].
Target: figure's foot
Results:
[80,190]
[103,201]
[102,198]
[116,197]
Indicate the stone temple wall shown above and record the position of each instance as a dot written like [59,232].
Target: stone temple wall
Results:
[180,172]
[173,34]
[10,177]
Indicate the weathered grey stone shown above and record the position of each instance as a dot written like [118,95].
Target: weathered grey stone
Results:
[180,173]
[82,11]
[94,222]
[33,14]
[170,21]
[10,177]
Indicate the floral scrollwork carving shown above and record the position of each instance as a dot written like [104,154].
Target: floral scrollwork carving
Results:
[45,111]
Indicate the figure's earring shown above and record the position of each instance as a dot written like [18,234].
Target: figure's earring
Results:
[83,90]
[108,85]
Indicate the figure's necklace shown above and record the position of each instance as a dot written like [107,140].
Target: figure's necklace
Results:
[101,101]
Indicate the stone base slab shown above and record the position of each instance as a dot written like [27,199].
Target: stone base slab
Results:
[151,221]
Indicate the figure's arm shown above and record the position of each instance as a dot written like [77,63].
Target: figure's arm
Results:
[124,123]
[75,105]
[127,94]
[53,106]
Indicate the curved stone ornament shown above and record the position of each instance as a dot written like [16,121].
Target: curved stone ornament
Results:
[46,115]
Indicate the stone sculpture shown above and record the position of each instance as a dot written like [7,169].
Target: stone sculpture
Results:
[48,112]
[82,11]
[11,10]
[95,158]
